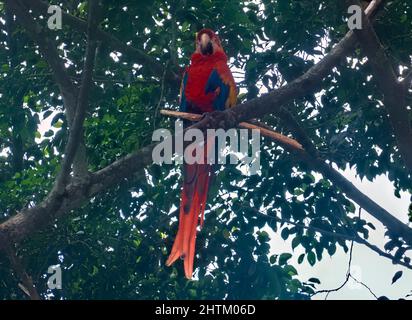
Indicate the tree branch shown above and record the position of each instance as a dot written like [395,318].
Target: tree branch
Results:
[76,129]
[76,194]
[407,81]
[348,274]
[265,131]
[295,127]
[394,92]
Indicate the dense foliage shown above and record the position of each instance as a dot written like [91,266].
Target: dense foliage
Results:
[115,245]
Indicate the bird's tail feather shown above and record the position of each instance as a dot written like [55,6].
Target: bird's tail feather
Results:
[192,206]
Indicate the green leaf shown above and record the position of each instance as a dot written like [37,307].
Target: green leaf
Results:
[311,258]
[285,233]
[295,242]
[331,249]
[58,124]
[314,280]
[290,270]
[397,276]
[263,236]
[273,259]
[283,258]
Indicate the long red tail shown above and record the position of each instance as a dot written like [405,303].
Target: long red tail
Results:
[192,206]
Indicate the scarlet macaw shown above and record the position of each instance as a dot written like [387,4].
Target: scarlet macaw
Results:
[207,86]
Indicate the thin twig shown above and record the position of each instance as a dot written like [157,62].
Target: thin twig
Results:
[363,284]
[162,87]
[348,275]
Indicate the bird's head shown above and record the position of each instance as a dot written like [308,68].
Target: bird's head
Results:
[207,42]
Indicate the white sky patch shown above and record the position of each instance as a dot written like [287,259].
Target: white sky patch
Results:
[45,125]
[115,56]
[5,152]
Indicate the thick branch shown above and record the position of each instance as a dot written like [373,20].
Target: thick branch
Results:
[76,194]
[408,81]
[294,126]
[394,91]
[280,138]
[76,129]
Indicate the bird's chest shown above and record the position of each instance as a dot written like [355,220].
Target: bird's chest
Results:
[198,100]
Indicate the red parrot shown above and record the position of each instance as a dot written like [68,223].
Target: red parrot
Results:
[207,86]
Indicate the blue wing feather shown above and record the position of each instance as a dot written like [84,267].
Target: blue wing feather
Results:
[214,82]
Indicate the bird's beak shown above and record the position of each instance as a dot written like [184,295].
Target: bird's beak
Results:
[206,46]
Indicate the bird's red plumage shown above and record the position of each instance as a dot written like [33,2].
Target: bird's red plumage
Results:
[198,74]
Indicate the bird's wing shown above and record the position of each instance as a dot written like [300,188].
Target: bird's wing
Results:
[221,81]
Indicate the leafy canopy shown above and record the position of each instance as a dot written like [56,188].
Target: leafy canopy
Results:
[115,245]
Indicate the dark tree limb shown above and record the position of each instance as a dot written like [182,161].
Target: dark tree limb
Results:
[407,81]
[296,128]
[77,193]
[76,129]
[17,145]
[394,91]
